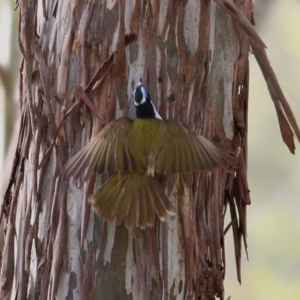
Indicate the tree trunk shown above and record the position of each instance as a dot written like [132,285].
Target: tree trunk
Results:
[194,62]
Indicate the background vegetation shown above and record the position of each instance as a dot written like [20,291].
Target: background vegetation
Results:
[273,270]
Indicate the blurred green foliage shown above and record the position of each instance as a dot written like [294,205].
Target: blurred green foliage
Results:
[273,270]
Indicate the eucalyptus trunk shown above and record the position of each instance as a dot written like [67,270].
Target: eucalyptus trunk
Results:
[193,60]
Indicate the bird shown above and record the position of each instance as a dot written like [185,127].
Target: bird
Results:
[136,152]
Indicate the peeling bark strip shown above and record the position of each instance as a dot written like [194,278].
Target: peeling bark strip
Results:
[193,59]
[287,122]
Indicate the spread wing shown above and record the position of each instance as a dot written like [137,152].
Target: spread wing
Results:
[113,149]
[183,150]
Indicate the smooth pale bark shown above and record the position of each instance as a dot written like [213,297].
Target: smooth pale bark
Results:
[194,62]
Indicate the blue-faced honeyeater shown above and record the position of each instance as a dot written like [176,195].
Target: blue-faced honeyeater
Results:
[135,151]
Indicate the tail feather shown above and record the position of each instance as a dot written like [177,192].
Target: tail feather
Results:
[142,216]
[158,205]
[150,209]
[134,198]
[131,211]
[165,201]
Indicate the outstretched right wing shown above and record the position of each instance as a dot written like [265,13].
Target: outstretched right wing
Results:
[182,150]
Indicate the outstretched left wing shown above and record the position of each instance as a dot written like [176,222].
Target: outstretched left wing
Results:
[113,149]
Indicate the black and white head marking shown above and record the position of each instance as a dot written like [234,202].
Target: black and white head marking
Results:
[156,114]
[143,104]
[140,94]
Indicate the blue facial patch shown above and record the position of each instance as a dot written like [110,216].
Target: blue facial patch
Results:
[144,92]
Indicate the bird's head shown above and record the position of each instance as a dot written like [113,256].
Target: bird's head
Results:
[143,104]
[141,96]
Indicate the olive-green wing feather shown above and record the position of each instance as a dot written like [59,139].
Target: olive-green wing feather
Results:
[183,150]
[134,198]
[113,149]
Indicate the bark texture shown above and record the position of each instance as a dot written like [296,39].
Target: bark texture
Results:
[193,59]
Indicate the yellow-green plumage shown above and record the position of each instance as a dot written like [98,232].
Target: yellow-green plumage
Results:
[133,197]
[135,151]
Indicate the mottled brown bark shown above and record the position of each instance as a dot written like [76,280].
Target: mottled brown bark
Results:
[193,59]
